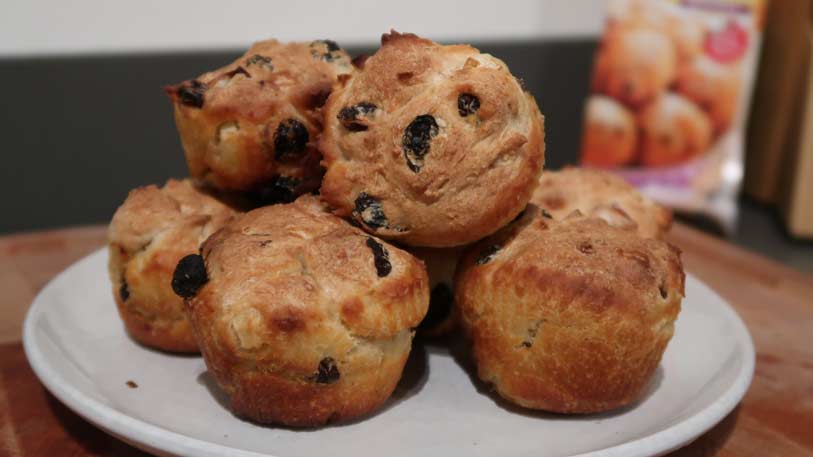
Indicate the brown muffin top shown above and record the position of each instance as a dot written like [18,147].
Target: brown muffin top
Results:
[179,210]
[578,259]
[258,117]
[431,145]
[601,194]
[569,316]
[292,284]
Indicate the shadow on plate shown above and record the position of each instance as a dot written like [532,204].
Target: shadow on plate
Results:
[416,372]
[459,350]
[180,355]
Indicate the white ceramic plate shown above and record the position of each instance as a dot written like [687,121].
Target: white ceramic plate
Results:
[77,346]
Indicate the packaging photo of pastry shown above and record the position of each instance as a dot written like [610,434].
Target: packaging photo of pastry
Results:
[681,73]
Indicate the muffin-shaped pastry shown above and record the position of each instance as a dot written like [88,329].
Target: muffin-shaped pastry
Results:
[441,318]
[302,318]
[569,316]
[253,124]
[431,145]
[636,12]
[673,130]
[714,86]
[610,134]
[686,31]
[634,64]
[149,234]
[688,34]
[601,194]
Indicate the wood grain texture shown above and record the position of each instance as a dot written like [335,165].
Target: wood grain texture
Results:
[776,302]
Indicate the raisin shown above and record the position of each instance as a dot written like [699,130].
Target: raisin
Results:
[663,291]
[191,93]
[290,139]
[349,116]
[467,104]
[532,332]
[487,254]
[405,77]
[189,276]
[546,214]
[440,306]
[381,257]
[585,247]
[328,372]
[282,189]
[124,290]
[331,46]
[369,210]
[261,61]
[416,140]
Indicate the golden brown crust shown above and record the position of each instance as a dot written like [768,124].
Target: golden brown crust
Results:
[291,286]
[604,195]
[442,138]
[569,316]
[151,231]
[299,404]
[635,63]
[256,121]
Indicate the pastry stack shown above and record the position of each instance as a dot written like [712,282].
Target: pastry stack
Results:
[337,206]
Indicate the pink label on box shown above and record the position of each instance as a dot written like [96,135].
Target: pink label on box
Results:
[678,176]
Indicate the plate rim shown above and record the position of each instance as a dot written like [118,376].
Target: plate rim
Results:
[155,438]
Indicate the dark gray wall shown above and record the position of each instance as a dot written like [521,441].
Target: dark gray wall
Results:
[79,132]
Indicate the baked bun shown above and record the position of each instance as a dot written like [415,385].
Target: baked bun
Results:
[431,145]
[688,33]
[714,86]
[673,131]
[149,234]
[302,318]
[569,316]
[603,195]
[253,124]
[610,133]
[441,318]
[634,64]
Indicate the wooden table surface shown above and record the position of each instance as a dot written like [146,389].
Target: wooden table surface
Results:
[776,302]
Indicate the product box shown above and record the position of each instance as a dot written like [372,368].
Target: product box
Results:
[669,95]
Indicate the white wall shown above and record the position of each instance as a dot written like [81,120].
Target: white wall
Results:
[37,27]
